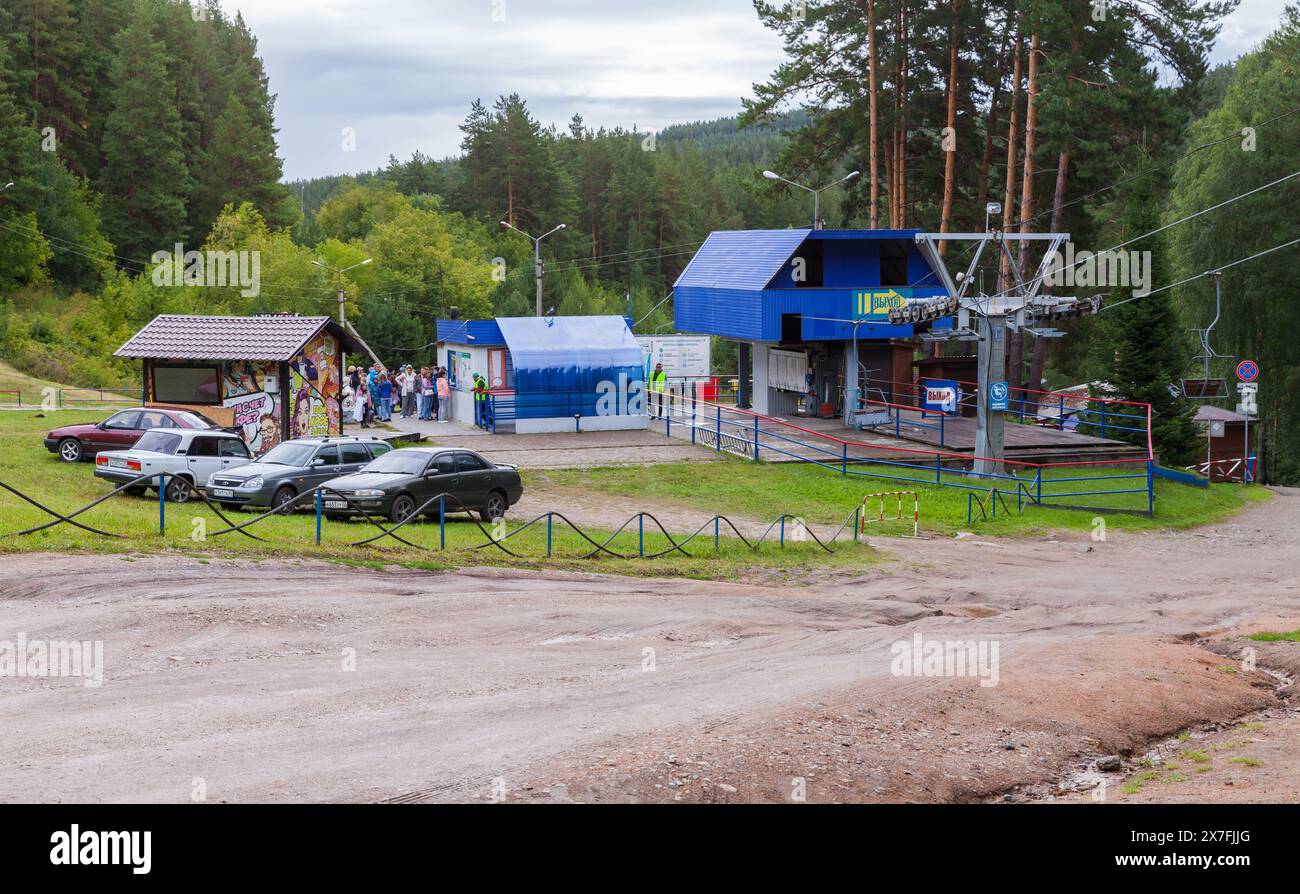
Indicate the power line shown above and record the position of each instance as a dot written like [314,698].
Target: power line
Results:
[1180,282]
[1160,229]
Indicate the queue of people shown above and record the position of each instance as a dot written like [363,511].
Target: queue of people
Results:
[372,395]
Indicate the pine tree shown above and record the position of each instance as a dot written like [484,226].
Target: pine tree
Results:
[1141,345]
[144,179]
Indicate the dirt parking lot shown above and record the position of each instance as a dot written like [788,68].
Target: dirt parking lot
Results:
[306,681]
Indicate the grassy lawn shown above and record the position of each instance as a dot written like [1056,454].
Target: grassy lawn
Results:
[27,466]
[32,390]
[821,496]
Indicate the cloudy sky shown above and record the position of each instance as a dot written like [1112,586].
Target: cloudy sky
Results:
[402,73]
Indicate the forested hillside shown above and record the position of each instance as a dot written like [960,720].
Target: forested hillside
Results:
[129,125]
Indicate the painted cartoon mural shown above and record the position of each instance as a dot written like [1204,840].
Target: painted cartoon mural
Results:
[314,389]
[252,389]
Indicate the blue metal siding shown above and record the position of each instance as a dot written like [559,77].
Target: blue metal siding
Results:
[480,333]
[734,313]
[740,259]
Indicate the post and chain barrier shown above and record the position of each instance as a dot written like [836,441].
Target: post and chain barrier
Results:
[446,502]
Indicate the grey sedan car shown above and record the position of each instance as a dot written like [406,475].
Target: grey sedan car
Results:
[291,468]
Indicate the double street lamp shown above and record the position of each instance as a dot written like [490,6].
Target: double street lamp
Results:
[817,193]
[537,256]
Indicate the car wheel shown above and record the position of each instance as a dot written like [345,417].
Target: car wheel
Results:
[178,491]
[70,450]
[401,509]
[495,507]
[136,491]
[282,496]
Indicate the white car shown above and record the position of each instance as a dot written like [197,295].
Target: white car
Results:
[190,454]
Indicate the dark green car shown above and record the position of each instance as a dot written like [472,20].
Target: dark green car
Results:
[399,483]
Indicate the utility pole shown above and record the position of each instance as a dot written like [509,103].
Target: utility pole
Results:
[817,193]
[339,274]
[537,256]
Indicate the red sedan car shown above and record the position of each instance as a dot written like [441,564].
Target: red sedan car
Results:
[74,443]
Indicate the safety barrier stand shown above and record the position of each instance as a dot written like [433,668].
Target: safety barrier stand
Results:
[864,520]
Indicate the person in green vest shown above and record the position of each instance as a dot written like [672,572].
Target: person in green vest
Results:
[480,399]
[658,383]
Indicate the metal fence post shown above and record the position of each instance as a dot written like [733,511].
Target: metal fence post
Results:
[549,518]
[782,532]
[715,533]
[1038,486]
[442,521]
[938,469]
[162,504]
[844,458]
[942,416]
[1151,487]
[857,525]
[1060,414]
[755,439]
[318,515]
[640,534]
[719,429]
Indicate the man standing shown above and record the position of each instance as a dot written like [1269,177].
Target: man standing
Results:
[658,382]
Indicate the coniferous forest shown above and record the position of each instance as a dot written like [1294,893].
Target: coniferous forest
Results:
[127,126]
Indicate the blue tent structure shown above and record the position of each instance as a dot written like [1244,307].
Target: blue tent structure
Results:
[552,373]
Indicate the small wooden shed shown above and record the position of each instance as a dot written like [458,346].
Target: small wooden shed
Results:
[1226,447]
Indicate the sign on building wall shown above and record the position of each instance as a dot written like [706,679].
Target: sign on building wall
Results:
[941,395]
[875,304]
[251,390]
[683,356]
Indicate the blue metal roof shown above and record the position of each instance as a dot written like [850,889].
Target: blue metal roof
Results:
[741,259]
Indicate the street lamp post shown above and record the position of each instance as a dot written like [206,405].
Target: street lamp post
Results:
[339,273]
[817,193]
[537,256]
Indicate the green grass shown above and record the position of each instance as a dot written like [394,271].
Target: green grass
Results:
[1196,757]
[823,497]
[1246,761]
[1290,636]
[64,487]
[1135,783]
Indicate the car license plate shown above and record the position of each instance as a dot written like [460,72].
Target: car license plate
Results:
[336,504]
[117,463]
[222,492]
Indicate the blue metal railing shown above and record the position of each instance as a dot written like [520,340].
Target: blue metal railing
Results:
[747,434]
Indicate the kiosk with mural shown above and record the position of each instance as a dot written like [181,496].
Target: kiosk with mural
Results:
[273,376]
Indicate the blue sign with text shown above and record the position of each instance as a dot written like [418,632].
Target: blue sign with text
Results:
[999,395]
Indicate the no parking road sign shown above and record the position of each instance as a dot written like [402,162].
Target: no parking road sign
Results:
[1247,371]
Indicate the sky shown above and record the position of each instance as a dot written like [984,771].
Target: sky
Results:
[399,75]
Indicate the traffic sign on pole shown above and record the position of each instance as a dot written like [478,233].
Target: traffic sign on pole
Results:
[1247,371]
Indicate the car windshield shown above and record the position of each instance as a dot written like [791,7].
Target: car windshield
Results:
[197,420]
[289,454]
[400,462]
[159,442]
